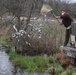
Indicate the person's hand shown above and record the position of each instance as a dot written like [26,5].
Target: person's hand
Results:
[61,23]
[57,17]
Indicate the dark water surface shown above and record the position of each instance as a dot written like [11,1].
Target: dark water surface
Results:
[7,68]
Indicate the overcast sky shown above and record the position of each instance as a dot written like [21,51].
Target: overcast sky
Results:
[73,0]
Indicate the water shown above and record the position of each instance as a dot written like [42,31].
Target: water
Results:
[7,68]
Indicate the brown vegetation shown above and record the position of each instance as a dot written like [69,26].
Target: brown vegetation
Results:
[64,60]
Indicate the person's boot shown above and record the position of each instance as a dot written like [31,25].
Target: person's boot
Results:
[72,44]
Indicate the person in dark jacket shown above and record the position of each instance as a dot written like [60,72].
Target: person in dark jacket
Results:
[66,21]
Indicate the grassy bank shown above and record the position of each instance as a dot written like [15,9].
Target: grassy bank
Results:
[40,64]
[36,63]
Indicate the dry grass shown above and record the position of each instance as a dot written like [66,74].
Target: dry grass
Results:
[64,60]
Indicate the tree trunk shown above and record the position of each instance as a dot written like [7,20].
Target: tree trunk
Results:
[19,23]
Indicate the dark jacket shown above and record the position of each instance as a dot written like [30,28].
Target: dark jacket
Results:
[66,19]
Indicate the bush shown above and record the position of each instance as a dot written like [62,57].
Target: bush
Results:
[44,39]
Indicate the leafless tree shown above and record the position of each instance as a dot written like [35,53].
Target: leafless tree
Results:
[58,5]
[23,7]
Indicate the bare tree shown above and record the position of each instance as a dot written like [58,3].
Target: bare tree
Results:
[2,7]
[25,7]
[22,8]
[58,5]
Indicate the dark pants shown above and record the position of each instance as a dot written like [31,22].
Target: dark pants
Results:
[67,36]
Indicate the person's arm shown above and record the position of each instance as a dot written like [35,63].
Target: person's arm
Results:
[59,17]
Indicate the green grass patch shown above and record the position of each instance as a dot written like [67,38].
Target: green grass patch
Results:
[34,63]
[40,64]
[3,40]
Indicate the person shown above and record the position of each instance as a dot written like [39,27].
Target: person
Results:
[66,21]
